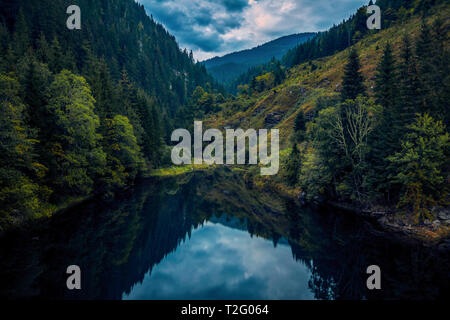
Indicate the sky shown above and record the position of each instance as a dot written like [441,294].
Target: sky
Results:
[216,27]
[239,267]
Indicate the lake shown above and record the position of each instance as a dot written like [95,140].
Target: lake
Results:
[212,235]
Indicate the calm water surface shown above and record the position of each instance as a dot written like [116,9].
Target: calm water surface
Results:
[219,262]
[212,236]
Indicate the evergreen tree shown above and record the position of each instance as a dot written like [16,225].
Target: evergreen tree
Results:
[124,160]
[440,62]
[73,150]
[353,81]
[21,34]
[421,166]
[293,166]
[19,194]
[300,122]
[386,79]
[36,80]
[408,85]
[425,67]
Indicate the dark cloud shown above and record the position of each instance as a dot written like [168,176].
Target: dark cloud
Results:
[234,5]
[207,43]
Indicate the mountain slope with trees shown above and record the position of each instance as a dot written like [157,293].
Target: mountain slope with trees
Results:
[227,68]
[368,125]
[87,111]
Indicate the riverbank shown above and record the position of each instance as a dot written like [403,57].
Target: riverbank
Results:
[399,226]
[390,222]
[387,222]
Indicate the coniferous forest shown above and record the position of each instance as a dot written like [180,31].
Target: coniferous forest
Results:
[94,206]
[84,111]
[90,111]
[387,145]
[363,114]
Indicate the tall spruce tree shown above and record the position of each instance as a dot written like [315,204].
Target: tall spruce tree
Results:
[293,166]
[353,80]
[425,68]
[408,84]
[385,141]
[386,81]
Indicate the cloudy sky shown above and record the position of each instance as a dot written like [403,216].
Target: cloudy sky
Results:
[216,27]
[239,267]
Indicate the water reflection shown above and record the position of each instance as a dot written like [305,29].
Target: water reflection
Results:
[190,237]
[224,263]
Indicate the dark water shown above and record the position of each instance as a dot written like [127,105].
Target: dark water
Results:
[212,236]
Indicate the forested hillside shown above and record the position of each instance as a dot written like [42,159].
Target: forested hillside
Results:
[227,68]
[85,111]
[367,125]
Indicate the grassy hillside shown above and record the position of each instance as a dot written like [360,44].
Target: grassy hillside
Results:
[308,83]
[380,146]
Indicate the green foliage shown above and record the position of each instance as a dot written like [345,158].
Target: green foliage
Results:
[74,124]
[386,80]
[72,147]
[293,166]
[433,57]
[347,33]
[273,68]
[125,162]
[421,166]
[353,81]
[18,193]
[340,136]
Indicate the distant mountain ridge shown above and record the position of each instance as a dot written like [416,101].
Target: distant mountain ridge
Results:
[228,67]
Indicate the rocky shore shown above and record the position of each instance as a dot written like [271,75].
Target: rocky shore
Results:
[430,233]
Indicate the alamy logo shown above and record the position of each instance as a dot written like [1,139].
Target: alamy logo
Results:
[213,153]
[374,281]
[74,21]
[374,21]
[74,280]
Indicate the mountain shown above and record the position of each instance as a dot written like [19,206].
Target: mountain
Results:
[121,33]
[361,148]
[84,112]
[230,66]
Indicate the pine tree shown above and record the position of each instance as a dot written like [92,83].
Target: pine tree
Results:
[440,61]
[353,80]
[19,194]
[73,151]
[386,140]
[43,49]
[36,81]
[21,34]
[421,164]
[408,85]
[56,62]
[386,81]
[293,166]
[300,122]
[425,68]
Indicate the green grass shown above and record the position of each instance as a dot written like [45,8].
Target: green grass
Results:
[179,170]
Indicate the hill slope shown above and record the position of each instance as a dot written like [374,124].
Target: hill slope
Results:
[228,67]
[84,112]
[119,31]
[308,82]
[383,151]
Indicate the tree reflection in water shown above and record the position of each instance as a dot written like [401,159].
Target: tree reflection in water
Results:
[117,243]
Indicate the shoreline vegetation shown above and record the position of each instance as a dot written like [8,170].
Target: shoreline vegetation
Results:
[362,114]
[435,233]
